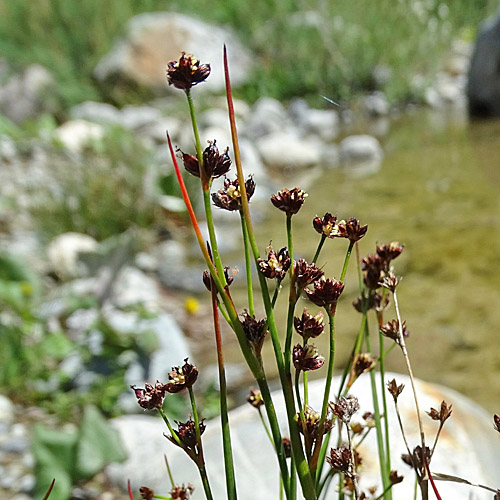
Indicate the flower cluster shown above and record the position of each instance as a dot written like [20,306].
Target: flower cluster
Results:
[309,326]
[229,198]
[345,408]
[181,377]
[307,358]
[289,201]
[255,331]
[150,397]
[186,72]
[276,265]
[326,293]
[214,163]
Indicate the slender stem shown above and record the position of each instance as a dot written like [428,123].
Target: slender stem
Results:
[171,430]
[325,483]
[276,293]
[318,249]
[400,421]
[196,134]
[297,395]
[169,471]
[266,428]
[326,395]
[293,480]
[248,265]
[290,243]
[354,475]
[306,390]
[305,477]
[346,261]
[226,435]
[201,460]
[436,438]
[162,497]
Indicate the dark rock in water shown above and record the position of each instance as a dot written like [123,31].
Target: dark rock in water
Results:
[483,89]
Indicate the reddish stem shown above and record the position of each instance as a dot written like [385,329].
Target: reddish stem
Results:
[431,479]
[130,494]
[50,490]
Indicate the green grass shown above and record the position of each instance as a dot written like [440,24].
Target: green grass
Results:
[301,47]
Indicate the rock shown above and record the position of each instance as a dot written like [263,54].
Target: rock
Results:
[156,132]
[8,150]
[468,446]
[322,123]
[74,135]
[98,112]
[63,253]
[133,287]
[288,151]
[376,104]
[28,94]
[154,39]
[483,88]
[6,410]
[330,156]
[361,153]
[268,116]
[135,117]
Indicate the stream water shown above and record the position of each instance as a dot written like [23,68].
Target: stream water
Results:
[438,193]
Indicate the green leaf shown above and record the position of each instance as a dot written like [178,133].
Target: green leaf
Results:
[98,444]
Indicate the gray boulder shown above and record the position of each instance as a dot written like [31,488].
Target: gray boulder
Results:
[98,112]
[28,94]
[153,39]
[483,88]
[361,153]
[469,447]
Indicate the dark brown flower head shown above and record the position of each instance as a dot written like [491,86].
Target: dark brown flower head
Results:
[146,493]
[255,398]
[310,426]
[443,414]
[362,363]
[150,397]
[187,433]
[389,252]
[391,330]
[276,265]
[496,422]
[354,231]
[415,460]
[289,201]
[306,274]
[328,226]
[380,303]
[373,301]
[395,478]
[345,408]
[229,275]
[229,198]
[181,492]
[181,377]
[306,358]
[497,495]
[309,326]
[215,164]
[326,293]
[390,281]
[395,389]
[287,446]
[340,460]
[186,72]
[255,331]
[374,267]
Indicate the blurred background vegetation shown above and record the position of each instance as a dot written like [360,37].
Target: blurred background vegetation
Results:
[302,47]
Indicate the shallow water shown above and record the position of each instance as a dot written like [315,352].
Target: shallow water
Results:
[438,192]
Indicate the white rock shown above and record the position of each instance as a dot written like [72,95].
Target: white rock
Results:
[134,117]
[63,253]
[76,134]
[133,287]
[7,411]
[154,39]
[323,123]
[288,151]
[361,153]
[268,116]
[98,112]
[468,446]
[376,104]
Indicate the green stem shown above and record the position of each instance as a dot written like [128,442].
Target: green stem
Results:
[226,435]
[297,395]
[172,432]
[346,261]
[293,480]
[201,460]
[306,390]
[266,428]
[164,498]
[248,265]
[169,471]
[318,249]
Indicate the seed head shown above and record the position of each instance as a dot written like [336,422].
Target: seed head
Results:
[207,278]
[354,231]
[307,358]
[389,252]
[395,389]
[276,265]
[443,414]
[187,433]
[186,72]
[345,408]
[181,492]
[374,266]
[391,330]
[309,326]
[255,331]
[214,163]
[310,425]
[255,398]
[150,397]
[305,274]
[340,460]
[390,281]
[326,293]
[496,422]
[289,201]
[362,363]
[287,446]
[229,198]
[181,377]
[146,493]
[394,478]
[416,458]
[328,226]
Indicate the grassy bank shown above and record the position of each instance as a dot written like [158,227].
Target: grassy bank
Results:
[334,47]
